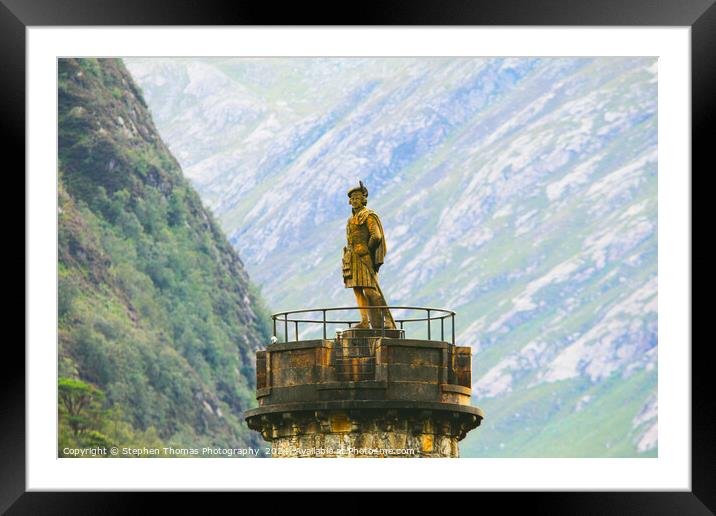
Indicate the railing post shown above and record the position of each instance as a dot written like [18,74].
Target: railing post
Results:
[442,329]
[285,328]
[324,325]
[273,318]
[452,324]
[382,321]
[296,322]
[428,324]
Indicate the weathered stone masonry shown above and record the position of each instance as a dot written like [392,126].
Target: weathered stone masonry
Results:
[366,393]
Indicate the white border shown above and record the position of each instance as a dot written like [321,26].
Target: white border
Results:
[670,471]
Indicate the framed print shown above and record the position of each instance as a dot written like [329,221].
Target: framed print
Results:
[191,274]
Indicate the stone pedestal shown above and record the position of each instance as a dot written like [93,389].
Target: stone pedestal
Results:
[364,394]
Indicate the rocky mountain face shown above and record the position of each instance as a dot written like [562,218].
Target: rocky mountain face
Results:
[521,193]
[156,311]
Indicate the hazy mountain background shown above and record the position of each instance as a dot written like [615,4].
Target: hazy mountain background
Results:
[520,192]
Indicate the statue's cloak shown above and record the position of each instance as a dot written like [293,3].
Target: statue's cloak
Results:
[362,271]
[377,254]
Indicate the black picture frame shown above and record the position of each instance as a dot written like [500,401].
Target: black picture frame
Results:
[700,15]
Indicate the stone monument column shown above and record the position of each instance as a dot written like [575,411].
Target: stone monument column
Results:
[366,393]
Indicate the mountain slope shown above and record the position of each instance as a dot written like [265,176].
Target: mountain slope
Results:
[156,310]
[521,193]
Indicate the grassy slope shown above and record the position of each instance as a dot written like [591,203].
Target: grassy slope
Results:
[543,421]
[155,308]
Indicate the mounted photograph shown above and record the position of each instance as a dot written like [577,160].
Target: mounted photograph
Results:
[357,257]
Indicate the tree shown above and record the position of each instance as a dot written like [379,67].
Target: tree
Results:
[81,406]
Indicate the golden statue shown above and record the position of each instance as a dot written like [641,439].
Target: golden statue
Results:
[362,258]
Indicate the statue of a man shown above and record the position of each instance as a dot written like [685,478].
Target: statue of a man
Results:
[362,258]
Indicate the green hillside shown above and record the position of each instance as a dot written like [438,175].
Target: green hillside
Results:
[158,321]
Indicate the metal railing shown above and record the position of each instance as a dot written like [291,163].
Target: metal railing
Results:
[431,315]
